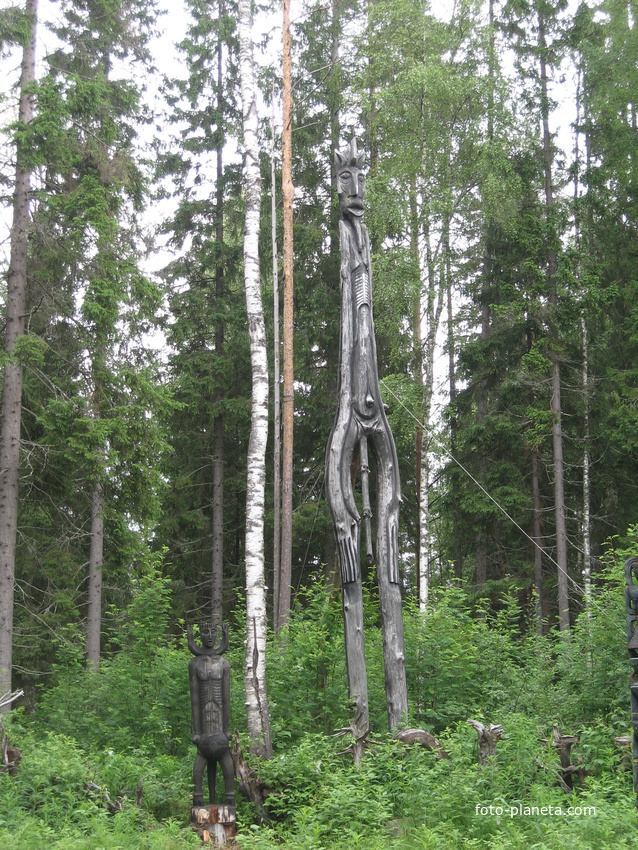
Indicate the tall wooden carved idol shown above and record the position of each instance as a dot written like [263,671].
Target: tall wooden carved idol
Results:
[360,431]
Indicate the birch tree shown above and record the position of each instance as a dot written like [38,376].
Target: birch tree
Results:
[258,719]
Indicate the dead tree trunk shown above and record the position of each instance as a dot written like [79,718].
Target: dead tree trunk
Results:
[12,384]
[288,192]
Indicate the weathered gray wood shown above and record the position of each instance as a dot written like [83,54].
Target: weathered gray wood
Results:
[361,428]
[488,738]
[564,744]
[424,739]
[14,327]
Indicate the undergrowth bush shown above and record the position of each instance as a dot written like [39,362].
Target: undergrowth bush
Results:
[119,737]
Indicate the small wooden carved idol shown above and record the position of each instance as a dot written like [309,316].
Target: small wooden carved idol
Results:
[209,677]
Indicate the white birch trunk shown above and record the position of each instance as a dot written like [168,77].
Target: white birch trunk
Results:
[12,384]
[433,310]
[258,720]
[424,526]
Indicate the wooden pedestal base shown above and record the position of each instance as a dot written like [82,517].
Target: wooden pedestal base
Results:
[215,824]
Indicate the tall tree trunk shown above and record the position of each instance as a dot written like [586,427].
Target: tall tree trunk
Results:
[258,718]
[578,233]
[288,192]
[276,546]
[586,527]
[486,286]
[217,566]
[434,300]
[537,536]
[96,562]
[12,383]
[446,278]
[481,413]
[331,572]
[555,406]
[422,535]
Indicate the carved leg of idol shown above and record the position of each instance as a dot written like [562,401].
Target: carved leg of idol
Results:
[212,777]
[342,447]
[356,665]
[214,823]
[198,779]
[228,769]
[388,578]
[634,720]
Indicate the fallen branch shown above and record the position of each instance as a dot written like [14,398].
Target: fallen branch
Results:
[8,698]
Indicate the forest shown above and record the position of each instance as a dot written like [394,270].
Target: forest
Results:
[170,294]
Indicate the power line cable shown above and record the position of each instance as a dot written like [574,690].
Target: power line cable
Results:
[464,469]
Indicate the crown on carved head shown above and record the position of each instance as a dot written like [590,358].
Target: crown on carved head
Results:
[350,156]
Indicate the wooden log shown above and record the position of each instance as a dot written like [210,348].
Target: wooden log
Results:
[625,742]
[424,739]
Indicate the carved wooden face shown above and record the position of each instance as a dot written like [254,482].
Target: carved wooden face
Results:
[351,188]
[208,633]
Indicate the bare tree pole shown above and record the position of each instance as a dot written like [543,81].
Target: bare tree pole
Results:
[258,719]
[218,458]
[96,562]
[578,234]
[288,191]
[537,536]
[556,407]
[12,382]
[586,472]
[276,546]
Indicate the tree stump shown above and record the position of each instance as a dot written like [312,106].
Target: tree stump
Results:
[250,784]
[564,744]
[9,756]
[626,759]
[215,824]
[488,738]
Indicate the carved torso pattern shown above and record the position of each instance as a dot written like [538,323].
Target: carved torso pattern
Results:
[210,672]
[364,375]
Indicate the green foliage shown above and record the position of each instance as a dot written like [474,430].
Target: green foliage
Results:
[121,734]
[307,687]
[411,799]
[137,698]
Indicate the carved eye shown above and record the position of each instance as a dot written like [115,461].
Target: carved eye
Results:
[345,176]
